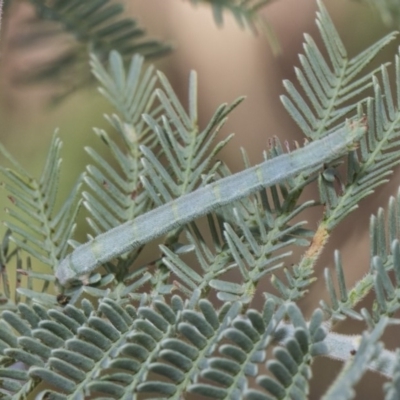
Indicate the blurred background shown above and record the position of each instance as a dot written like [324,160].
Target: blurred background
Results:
[230,62]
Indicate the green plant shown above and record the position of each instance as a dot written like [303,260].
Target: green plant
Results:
[127,329]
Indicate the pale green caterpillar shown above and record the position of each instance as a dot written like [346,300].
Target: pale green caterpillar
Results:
[204,200]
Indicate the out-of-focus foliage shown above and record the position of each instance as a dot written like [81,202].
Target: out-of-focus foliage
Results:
[389,11]
[247,13]
[70,28]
